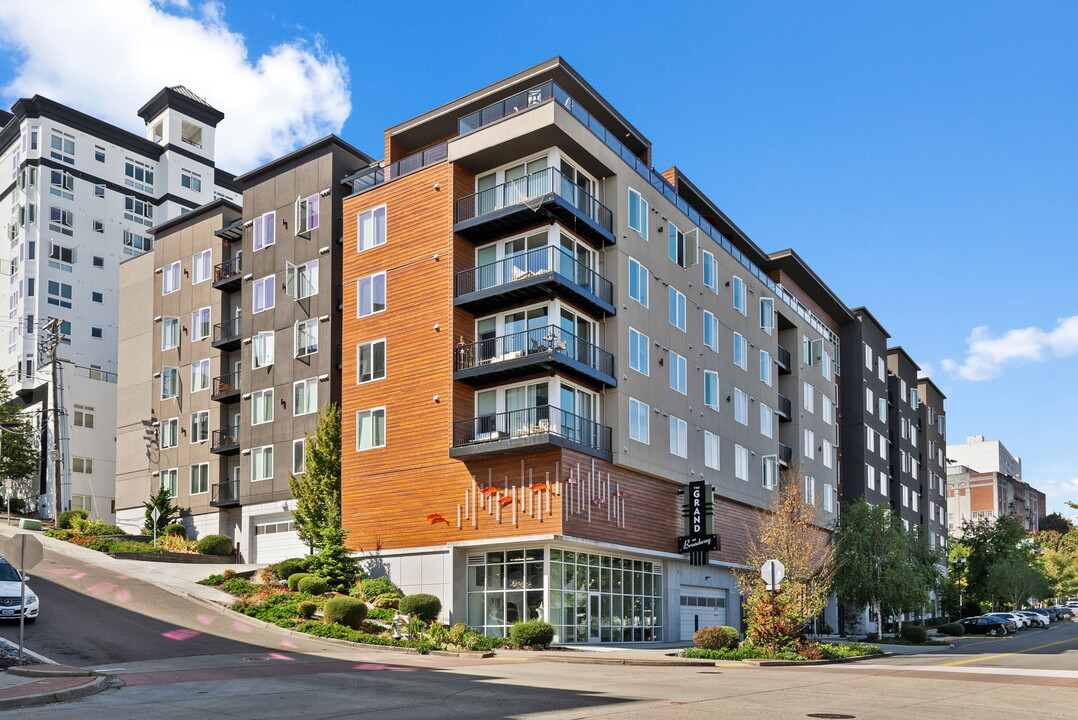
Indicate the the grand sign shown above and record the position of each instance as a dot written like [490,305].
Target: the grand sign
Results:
[699,537]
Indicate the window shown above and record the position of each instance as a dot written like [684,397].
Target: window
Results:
[810,397]
[170,333]
[828,453]
[170,281]
[136,244]
[263,294]
[99,227]
[881,369]
[190,180]
[306,214]
[262,406]
[767,314]
[740,303]
[200,375]
[868,356]
[711,450]
[870,476]
[84,416]
[82,465]
[638,421]
[61,220]
[62,184]
[200,478]
[169,481]
[99,153]
[301,281]
[681,246]
[810,444]
[765,368]
[638,213]
[741,462]
[870,401]
[96,332]
[711,272]
[741,406]
[828,498]
[810,490]
[262,353]
[711,389]
[62,147]
[59,294]
[638,351]
[638,282]
[264,230]
[138,175]
[138,211]
[741,353]
[170,433]
[200,426]
[299,457]
[305,397]
[99,190]
[806,350]
[191,133]
[371,295]
[679,437]
[262,463]
[711,331]
[827,410]
[200,324]
[201,266]
[61,257]
[371,228]
[678,373]
[767,421]
[677,308]
[769,471]
[98,261]
[371,429]
[306,337]
[882,402]
[170,382]
[371,361]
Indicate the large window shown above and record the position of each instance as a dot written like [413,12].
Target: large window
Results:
[371,295]
[262,352]
[262,463]
[371,429]
[638,213]
[138,211]
[371,228]
[711,272]
[201,266]
[306,337]
[679,373]
[169,481]
[681,246]
[679,437]
[170,433]
[170,382]
[190,180]
[138,175]
[741,352]
[711,331]
[200,324]
[638,282]
[200,375]
[84,416]
[638,351]
[264,230]
[262,406]
[711,389]
[301,281]
[62,184]
[371,361]
[741,462]
[200,478]
[305,396]
[62,147]
[263,294]
[677,308]
[639,421]
[59,294]
[170,280]
[711,450]
[200,426]
[741,406]
[767,421]
[170,333]
[306,214]
[740,303]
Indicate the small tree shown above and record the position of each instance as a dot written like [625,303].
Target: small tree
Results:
[1013,581]
[19,444]
[318,489]
[161,500]
[1055,523]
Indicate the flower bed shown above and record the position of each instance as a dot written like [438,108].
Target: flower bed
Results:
[826,651]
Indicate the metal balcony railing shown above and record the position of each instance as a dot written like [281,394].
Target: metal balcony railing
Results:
[785,409]
[549,338]
[527,422]
[225,439]
[783,359]
[225,493]
[227,330]
[786,454]
[550,181]
[226,384]
[227,269]
[540,261]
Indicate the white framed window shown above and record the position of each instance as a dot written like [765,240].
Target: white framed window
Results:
[739,295]
[262,463]
[170,382]
[884,445]
[769,471]
[870,401]
[914,395]
[741,406]
[809,395]
[712,447]
[305,397]
[638,282]
[301,281]
[868,356]
[806,350]
[200,324]
[828,454]
[169,481]
[638,351]
[262,349]
[882,409]
[870,476]
[371,294]
[826,366]
[711,331]
[639,421]
[767,421]
[827,410]
[767,314]
[766,369]
[201,266]
[711,272]
[371,429]
[264,290]
[82,465]
[135,244]
[84,416]
[62,184]
[682,246]
[138,175]
[370,361]
[200,426]
[58,293]
[741,352]
[306,214]
[265,230]
[190,180]
[679,373]
[200,375]
[62,147]
[711,389]
[200,478]
[170,433]
[61,257]
[741,462]
[262,406]
[170,333]
[138,211]
[638,213]
[677,308]
[306,337]
[810,490]
[170,280]
[881,369]
[828,497]
[371,228]
[679,437]
[61,220]
[810,444]
[299,457]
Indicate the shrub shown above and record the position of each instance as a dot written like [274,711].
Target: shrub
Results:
[286,568]
[229,574]
[101,544]
[16,505]
[215,545]
[99,528]
[238,586]
[344,610]
[716,637]
[212,580]
[914,633]
[747,651]
[421,605]
[64,519]
[134,546]
[279,608]
[379,613]
[371,588]
[811,652]
[176,529]
[533,633]
[335,563]
[845,650]
[340,632]
[826,629]
[306,609]
[952,629]
[313,585]
[294,578]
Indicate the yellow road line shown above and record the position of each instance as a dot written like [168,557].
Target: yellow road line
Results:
[1016,652]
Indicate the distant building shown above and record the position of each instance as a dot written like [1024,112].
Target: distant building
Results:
[985,456]
[978,496]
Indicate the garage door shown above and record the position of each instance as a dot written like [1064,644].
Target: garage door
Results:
[701,607]
[275,538]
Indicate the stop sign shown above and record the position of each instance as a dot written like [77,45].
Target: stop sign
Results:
[773,571]
[23,551]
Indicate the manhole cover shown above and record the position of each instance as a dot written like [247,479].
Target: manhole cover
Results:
[833,716]
[255,658]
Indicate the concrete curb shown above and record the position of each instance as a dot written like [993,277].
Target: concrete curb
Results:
[687,662]
[91,686]
[46,671]
[831,661]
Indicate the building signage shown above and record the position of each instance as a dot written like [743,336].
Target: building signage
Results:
[699,537]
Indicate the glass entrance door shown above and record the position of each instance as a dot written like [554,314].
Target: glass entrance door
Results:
[594,617]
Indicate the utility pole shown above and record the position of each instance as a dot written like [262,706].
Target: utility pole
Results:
[52,343]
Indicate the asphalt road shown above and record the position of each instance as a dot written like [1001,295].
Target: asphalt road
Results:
[1051,648]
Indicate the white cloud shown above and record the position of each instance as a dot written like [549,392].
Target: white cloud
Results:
[988,354]
[108,57]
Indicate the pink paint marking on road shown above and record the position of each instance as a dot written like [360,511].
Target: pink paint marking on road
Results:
[123,595]
[240,627]
[101,588]
[78,576]
[123,577]
[279,656]
[181,634]
[288,644]
[61,571]
[205,618]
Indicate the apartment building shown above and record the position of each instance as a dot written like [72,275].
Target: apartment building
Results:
[81,197]
[985,456]
[984,483]
[932,444]
[904,403]
[547,344]
[241,311]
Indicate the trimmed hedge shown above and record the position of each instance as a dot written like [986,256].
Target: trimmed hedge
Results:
[65,519]
[176,529]
[370,588]
[421,605]
[340,632]
[306,609]
[952,629]
[716,637]
[344,610]
[313,585]
[294,578]
[533,633]
[286,568]
[215,545]
[914,633]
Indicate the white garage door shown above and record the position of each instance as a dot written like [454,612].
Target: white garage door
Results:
[701,607]
[275,539]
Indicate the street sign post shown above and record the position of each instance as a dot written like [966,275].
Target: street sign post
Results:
[26,549]
[155,514]
[772,572]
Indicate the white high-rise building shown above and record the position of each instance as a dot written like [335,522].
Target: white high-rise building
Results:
[985,456]
[80,199]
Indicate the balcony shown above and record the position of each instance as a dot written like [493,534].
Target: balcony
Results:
[785,409]
[226,494]
[783,360]
[542,349]
[226,335]
[226,441]
[546,195]
[786,455]
[534,275]
[226,388]
[534,428]
[228,275]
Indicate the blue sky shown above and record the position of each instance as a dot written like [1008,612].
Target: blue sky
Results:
[920,156]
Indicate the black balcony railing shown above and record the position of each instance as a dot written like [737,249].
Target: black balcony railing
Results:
[226,386]
[549,338]
[375,175]
[786,454]
[226,494]
[227,269]
[226,440]
[541,261]
[550,181]
[783,359]
[227,331]
[785,409]
[529,422]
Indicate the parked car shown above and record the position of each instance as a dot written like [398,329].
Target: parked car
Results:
[11,608]
[1023,622]
[988,625]
[1064,612]
[1038,618]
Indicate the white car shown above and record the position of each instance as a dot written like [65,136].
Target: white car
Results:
[1022,621]
[1038,619]
[10,606]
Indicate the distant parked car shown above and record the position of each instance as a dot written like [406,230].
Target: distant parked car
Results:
[1023,622]
[10,585]
[1012,624]
[1038,617]
[988,625]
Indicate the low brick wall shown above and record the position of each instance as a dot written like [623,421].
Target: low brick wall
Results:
[171,557]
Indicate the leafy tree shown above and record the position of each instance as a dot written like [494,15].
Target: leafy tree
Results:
[161,500]
[990,543]
[1014,581]
[318,490]
[1055,523]
[1060,570]
[19,444]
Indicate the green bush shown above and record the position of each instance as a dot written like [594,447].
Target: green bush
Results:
[100,528]
[378,613]
[313,585]
[215,545]
[344,610]
[16,505]
[716,637]
[952,629]
[134,546]
[533,633]
[294,578]
[335,563]
[825,629]
[340,632]
[845,650]
[371,588]
[914,633]
[212,580]
[421,605]
[306,609]
[65,519]
[280,609]
[239,586]
[745,652]
[101,544]
[176,529]
[286,568]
